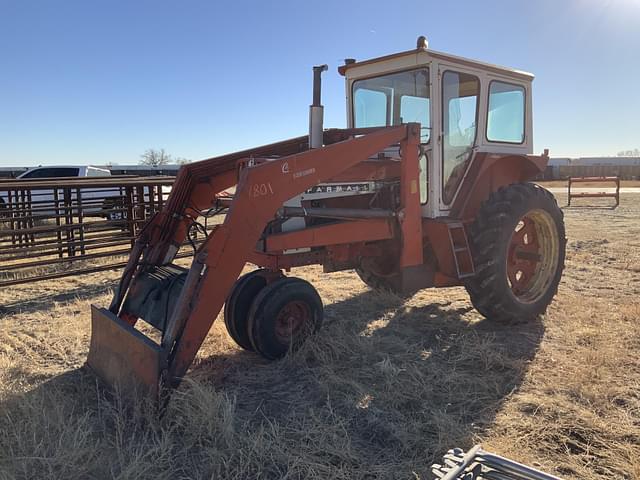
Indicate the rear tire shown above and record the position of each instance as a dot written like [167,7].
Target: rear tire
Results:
[518,244]
[283,315]
[381,275]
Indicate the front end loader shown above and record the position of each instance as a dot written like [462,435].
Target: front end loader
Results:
[426,188]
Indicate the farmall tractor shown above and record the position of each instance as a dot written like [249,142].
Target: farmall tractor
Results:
[427,187]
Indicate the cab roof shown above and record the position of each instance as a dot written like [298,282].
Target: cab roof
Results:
[522,75]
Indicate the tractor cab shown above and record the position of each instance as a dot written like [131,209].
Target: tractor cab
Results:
[464,107]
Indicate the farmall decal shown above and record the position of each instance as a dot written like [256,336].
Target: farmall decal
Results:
[339,188]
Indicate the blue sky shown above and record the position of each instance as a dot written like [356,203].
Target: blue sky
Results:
[88,81]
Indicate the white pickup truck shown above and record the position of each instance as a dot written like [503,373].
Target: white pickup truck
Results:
[65,171]
[98,201]
[43,198]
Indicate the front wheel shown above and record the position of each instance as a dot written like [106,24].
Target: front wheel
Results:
[283,315]
[236,308]
[518,243]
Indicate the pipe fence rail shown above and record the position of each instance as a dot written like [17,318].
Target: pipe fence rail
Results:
[601,194]
[52,228]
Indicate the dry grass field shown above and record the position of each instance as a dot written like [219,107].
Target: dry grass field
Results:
[384,389]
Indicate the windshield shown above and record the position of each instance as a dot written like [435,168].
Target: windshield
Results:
[392,100]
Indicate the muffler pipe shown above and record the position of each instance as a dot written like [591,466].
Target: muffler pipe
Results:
[316,110]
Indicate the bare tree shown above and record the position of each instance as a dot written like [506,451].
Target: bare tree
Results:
[155,158]
[181,160]
[629,153]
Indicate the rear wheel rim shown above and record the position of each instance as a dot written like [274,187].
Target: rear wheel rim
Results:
[532,256]
[292,321]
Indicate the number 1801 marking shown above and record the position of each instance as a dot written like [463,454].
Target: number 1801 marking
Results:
[260,190]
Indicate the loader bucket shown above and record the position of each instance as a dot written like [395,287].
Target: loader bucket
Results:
[123,357]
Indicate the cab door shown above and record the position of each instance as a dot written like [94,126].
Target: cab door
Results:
[459,122]
[430,157]
[412,103]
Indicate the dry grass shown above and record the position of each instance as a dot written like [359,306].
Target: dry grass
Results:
[385,388]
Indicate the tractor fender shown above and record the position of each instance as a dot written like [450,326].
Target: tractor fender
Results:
[490,171]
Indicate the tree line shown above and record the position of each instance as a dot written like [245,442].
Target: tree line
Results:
[157,157]
[629,153]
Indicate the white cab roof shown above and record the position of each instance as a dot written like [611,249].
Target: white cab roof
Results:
[421,56]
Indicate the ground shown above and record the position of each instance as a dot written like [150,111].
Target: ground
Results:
[384,389]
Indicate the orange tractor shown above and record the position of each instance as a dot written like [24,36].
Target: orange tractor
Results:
[426,188]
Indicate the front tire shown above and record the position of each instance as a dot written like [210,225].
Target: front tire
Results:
[236,308]
[283,315]
[518,244]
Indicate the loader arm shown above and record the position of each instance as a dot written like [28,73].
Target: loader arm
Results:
[195,190]
[261,190]
[198,184]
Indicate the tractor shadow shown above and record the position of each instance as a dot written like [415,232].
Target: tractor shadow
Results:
[394,373]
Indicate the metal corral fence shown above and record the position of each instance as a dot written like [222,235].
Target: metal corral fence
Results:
[625,172]
[627,168]
[51,228]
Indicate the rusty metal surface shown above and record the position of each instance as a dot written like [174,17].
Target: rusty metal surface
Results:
[488,172]
[122,356]
[331,234]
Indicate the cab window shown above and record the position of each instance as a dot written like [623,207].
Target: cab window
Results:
[460,92]
[371,108]
[505,117]
[393,99]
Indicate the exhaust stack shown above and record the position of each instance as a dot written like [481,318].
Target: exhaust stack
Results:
[316,110]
